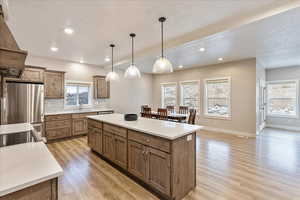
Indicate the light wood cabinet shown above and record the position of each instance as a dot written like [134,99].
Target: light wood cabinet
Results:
[137,164]
[58,126]
[79,126]
[33,74]
[101,87]
[120,151]
[54,84]
[108,146]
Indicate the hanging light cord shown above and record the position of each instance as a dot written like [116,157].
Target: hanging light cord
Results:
[132,50]
[112,58]
[162,39]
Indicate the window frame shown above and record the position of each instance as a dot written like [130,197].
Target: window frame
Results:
[215,116]
[181,83]
[162,93]
[79,83]
[297,99]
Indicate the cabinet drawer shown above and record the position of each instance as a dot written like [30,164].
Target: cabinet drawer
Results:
[149,140]
[58,124]
[115,129]
[57,117]
[58,133]
[94,123]
[82,115]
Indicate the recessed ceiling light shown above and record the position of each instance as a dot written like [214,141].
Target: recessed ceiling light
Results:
[107,59]
[54,49]
[202,49]
[180,66]
[69,31]
[220,59]
[81,61]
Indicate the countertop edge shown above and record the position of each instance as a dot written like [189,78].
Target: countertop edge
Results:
[148,132]
[78,111]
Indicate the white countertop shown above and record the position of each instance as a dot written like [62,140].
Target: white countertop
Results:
[24,165]
[165,129]
[84,110]
[15,128]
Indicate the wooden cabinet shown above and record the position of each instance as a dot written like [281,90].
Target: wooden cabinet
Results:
[79,126]
[58,126]
[101,87]
[108,146]
[137,164]
[95,139]
[159,170]
[33,74]
[120,151]
[54,84]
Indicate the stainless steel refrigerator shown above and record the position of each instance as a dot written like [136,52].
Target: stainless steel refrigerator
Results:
[24,102]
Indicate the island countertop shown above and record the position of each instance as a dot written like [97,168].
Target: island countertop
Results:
[165,129]
[24,165]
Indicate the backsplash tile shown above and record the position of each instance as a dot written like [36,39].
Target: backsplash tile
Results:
[52,105]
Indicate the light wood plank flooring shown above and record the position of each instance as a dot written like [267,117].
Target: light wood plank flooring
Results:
[228,167]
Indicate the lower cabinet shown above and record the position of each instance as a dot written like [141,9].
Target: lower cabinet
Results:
[79,126]
[137,164]
[95,139]
[108,146]
[120,150]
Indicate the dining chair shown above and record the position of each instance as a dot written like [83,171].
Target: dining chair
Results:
[162,113]
[183,110]
[147,112]
[142,109]
[170,109]
[192,116]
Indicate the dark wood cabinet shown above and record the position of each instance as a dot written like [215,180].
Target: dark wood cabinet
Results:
[54,84]
[137,164]
[101,87]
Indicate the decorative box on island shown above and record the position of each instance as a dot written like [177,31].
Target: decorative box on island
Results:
[130,117]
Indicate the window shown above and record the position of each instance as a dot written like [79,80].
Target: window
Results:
[283,98]
[168,94]
[190,94]
[217,94]
[77,94]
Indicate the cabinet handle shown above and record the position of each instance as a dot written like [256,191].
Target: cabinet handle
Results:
[147,140]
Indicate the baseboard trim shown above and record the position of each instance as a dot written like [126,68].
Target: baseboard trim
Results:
[231,132]
[289,128]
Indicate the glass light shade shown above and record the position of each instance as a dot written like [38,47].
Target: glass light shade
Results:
[162,65]
[112,76]
[132,72]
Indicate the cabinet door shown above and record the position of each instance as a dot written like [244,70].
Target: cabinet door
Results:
[91,137]
[33,74]
[54,84]
[159,171]
[101,87]
[79,126]
[58,133]
[98,140]
[137,163]
[121,151]
[108,145]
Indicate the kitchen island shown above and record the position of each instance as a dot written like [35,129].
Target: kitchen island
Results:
[28,171]
[160,154]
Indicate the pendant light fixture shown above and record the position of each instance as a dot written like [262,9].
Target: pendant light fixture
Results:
[162,64]
[112,76]
[132,72]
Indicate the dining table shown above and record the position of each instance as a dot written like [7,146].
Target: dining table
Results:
[171,116]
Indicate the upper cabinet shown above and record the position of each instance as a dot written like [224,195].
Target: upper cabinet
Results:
[54,84]
[33,74]
[101,87]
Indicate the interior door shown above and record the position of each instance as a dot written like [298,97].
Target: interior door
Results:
[262,104]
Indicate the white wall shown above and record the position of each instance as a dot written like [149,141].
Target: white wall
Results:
[243,94]
[126,95]
[284,73]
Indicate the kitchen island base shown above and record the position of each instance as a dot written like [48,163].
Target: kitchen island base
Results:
[167,167]
[47,190]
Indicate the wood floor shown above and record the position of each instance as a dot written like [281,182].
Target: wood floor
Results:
[228,167]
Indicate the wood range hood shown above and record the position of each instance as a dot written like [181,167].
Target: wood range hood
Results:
[12,58]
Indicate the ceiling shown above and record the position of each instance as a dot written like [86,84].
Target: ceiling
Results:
[38,25]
